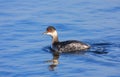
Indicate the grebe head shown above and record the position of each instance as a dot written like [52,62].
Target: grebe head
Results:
[52,32]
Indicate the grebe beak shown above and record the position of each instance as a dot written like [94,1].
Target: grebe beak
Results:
[45,32]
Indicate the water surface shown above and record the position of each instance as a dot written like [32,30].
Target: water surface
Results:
[24,50]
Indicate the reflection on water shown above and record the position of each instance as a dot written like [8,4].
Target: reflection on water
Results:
[54,61]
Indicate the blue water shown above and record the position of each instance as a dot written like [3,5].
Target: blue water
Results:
[24,49]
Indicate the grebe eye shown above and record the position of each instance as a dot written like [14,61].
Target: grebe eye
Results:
[49,30]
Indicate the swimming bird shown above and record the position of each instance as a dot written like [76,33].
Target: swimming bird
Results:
[64,46]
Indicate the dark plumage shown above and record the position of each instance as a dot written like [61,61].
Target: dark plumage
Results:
[65,46]
[70,46]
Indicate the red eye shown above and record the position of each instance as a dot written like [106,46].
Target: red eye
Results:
[49,30]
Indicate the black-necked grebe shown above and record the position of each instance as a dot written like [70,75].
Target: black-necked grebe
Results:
[64,46]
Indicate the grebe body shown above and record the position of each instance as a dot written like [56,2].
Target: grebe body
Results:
[64,46]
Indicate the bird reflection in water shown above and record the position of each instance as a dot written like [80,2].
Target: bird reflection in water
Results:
[54,61]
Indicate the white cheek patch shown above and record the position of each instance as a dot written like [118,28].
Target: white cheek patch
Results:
[53,34]
[49,33]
